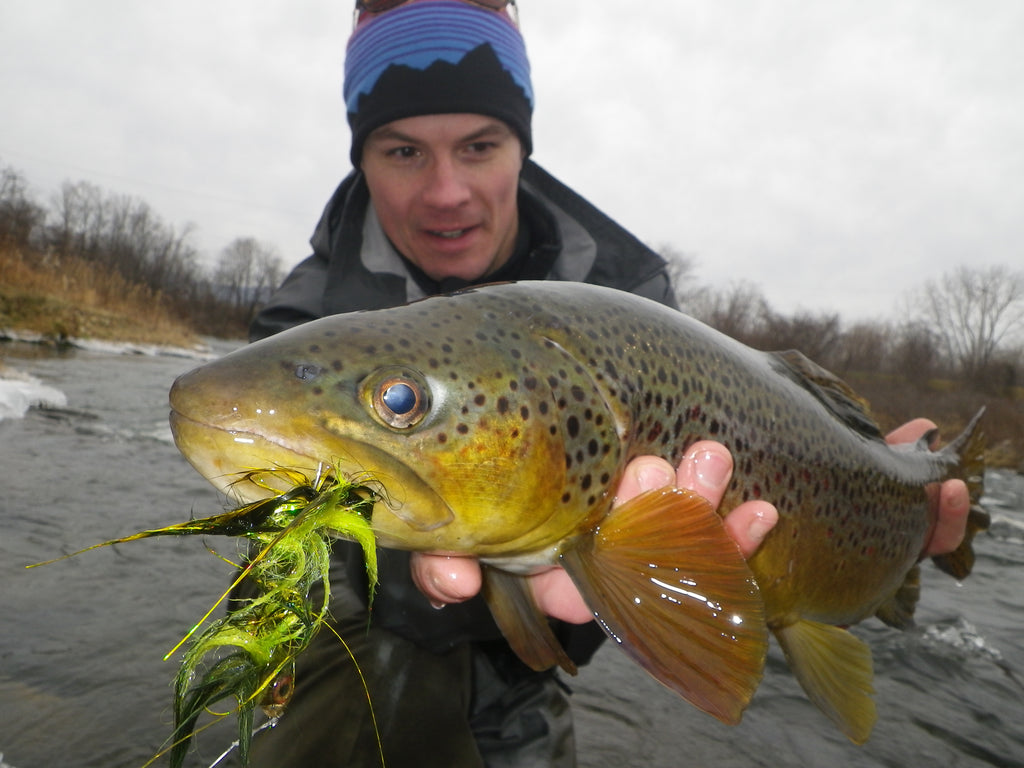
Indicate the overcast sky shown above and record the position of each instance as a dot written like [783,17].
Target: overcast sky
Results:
[836,154]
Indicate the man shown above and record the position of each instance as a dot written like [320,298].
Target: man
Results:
[440,102]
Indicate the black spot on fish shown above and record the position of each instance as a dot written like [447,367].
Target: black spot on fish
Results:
[480,399]
[462,429]
[524,412]
[502,405]
[572,424]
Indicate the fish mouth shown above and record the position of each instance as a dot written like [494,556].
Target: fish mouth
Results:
[248,466]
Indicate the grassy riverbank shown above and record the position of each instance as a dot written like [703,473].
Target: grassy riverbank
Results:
[65,298]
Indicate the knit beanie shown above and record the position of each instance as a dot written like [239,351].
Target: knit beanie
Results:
[436,57]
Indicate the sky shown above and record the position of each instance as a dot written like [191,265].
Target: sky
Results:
[837,155]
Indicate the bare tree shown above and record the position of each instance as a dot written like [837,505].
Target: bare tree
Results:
[78,213]
[974,310]
[681,272]
[817,336]
[864,347]
[246,274]
[21,218]
[738,311]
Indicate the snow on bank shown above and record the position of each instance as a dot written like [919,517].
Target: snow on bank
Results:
[198,352]
[19,391]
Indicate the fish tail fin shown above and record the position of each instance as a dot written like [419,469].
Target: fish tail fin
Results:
[835,669]
[524,626]
[670,587]
[969,449]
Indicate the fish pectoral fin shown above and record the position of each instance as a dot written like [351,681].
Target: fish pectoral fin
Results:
[671,588]
[520,620]
[834,668]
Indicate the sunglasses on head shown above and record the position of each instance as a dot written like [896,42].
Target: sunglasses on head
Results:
[381,6]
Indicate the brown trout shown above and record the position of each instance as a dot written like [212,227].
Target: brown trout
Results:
[499,421]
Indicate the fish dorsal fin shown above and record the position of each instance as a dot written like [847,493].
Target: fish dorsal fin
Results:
[524,626]
[670,587]
[835,670]
[834,393]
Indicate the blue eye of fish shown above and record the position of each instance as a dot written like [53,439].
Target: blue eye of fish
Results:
[400,401]
[400,398]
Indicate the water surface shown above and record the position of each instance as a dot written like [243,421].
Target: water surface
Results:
[82,682]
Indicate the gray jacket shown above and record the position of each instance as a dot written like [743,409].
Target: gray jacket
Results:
[355,267]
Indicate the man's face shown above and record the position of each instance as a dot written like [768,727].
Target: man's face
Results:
[444,188]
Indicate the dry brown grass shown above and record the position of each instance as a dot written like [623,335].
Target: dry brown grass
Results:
[66,298]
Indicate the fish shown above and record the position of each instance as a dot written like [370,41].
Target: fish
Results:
[499,420]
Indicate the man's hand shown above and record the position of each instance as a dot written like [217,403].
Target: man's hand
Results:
[954,501]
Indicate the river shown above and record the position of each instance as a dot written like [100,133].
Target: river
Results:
[82,681]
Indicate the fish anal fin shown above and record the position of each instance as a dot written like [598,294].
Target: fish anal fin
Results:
[524,626]
[898,610]
[834,667]
[670,587]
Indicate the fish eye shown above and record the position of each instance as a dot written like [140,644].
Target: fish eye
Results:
[400,401]
[399,397]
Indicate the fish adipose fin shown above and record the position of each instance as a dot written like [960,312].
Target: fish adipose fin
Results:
[669,585]
[524,626]
[835,670]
